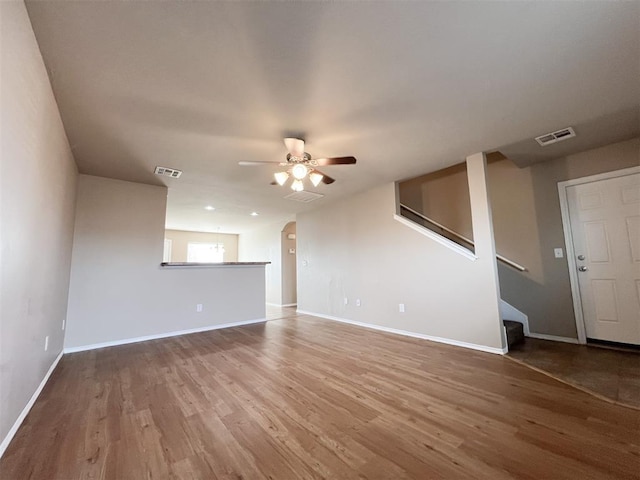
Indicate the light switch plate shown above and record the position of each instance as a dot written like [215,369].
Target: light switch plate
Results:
[558,252]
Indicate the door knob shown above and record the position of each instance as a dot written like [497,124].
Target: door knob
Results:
[582,269]
[580,257]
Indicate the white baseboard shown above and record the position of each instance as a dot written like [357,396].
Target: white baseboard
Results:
[176,333]
[544,336]
[283,305]
[7,440]
[448,341]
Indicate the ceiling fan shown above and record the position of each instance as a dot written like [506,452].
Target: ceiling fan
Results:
[300,165]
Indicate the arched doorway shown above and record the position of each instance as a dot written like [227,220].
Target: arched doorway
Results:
[289,274]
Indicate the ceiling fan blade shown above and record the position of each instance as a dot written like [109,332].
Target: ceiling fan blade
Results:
[336,161]
[326,179]
[295,146]
[252,164]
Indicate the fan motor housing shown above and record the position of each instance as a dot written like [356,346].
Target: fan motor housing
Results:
[304,159]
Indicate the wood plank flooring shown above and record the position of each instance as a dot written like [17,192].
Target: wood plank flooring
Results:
[305,398]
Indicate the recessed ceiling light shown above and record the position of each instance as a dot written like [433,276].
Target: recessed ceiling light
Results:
[254,214]
[209,207]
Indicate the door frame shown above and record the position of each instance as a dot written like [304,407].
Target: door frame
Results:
[568,239]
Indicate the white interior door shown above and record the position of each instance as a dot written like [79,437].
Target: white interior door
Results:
[605,227]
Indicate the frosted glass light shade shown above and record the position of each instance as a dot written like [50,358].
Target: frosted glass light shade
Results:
[297,186]
[316,178]
[281,177]
[299,171]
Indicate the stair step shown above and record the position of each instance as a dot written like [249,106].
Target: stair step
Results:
[515,332]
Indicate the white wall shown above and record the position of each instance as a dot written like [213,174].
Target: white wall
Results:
[355,249]
[37,185]
[264,245]
[119,290]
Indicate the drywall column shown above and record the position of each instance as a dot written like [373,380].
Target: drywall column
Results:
[485,246]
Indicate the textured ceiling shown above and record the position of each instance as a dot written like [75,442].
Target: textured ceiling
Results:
[406,87]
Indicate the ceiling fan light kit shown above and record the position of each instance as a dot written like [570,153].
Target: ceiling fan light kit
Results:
[315,178]
[281,177]
[301,165]
[299,171]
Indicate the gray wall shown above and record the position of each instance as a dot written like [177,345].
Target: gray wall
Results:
[37,185]
[118,290]
[354,248]
[527,225]
[545,294]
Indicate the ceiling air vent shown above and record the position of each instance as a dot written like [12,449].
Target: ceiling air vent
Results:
[168,172]
[304,196]
[557,136]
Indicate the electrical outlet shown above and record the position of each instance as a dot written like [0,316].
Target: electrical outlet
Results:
[64,321]
[346,301]
[199,307]
[558,252]
[401,307]
[358,302]
[46,343]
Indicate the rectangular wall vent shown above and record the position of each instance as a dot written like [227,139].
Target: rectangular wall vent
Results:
[304,196]
[168,172]
[557,136]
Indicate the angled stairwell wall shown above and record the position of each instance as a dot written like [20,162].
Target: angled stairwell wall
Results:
[354,249]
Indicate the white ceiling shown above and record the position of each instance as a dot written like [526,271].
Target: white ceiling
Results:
[406,87]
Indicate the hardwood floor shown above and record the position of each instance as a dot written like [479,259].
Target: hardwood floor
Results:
[304,398]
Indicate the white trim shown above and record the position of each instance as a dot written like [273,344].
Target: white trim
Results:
[509,312]
[126,341]
[14,429]
[438,238]
[601,176]
[448,341]
[439,225]
[511,263]
[283,305]
[555,338]
[568,240]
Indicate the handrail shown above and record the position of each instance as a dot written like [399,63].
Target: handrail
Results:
[505,260]
[448,230]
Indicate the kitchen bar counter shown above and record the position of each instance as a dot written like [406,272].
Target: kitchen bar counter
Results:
[219,264]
